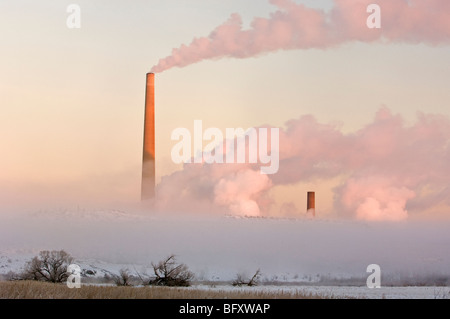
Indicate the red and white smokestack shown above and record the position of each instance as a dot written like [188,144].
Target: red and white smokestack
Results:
[148,158]
[311,204]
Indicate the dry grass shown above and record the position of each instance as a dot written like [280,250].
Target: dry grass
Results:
[41,290]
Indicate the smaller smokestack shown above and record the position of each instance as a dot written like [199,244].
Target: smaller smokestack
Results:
[311,204]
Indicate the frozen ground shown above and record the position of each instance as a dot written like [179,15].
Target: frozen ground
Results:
[288,251]
[15,261]
[353,292]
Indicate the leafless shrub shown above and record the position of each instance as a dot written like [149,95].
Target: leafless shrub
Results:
[241,281]
[50,266]
[168,273]
[123,279]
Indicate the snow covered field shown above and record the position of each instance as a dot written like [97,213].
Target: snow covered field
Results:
[321,256]
[351,292]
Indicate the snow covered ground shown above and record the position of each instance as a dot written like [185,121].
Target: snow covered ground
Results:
[15,262]
[352,292]
[323,256]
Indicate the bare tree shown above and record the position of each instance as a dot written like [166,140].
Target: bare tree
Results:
[49,266]
[240,281]
[123,279]
[168,273]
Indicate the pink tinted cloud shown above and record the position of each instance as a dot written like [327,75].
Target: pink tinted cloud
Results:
[375,198]
[386,168]
[295,26]
[239,191]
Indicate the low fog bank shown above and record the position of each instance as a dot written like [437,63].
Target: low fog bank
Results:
[219,247]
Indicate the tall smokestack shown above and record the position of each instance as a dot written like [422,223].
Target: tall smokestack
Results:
[148,158]
[311,204]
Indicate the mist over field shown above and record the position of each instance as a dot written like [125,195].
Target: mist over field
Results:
[219,247]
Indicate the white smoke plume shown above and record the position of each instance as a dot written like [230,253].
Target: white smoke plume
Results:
[294,26]
[387,169]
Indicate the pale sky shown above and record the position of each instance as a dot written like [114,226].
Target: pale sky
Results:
[72,100]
